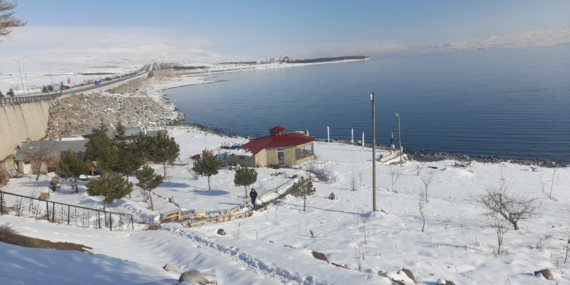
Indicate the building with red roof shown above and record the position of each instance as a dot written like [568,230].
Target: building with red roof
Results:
[282,147]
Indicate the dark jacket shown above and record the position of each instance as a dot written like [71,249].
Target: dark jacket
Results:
[253,194]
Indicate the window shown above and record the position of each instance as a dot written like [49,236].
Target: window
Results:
[304,151]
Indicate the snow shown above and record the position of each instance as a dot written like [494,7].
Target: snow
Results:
[455,246]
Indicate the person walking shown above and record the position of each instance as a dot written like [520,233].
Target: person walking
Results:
[253,195]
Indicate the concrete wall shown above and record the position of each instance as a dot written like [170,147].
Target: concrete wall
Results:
[21,122]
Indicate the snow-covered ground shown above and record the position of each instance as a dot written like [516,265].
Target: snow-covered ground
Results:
[456,245]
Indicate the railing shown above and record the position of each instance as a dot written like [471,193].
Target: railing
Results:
[62,213]
[26,99]
[180,215]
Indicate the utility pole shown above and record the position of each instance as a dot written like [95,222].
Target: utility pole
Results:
[399,139]
[21,79]
[374,209]
[49,68]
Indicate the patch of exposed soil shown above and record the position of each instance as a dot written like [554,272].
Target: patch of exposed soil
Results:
[8,235]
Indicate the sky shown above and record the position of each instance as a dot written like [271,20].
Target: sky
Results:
[129,30]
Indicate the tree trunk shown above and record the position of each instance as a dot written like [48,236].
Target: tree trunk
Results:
[210,188]
[75,185]
[423,226]
[304,203]
[515,225]
[151,205]
[245,187]
[164,166]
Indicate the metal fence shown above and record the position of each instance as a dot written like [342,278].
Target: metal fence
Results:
[26,99]
[14,204]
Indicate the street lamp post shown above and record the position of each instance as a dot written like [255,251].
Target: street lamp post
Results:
[399,139]
[21,79]
[374,209]
[49,68]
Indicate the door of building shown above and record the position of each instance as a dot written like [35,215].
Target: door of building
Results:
[281,156]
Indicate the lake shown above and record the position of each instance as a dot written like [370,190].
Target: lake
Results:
[511,103]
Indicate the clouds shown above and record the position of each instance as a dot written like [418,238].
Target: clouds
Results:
[132,45]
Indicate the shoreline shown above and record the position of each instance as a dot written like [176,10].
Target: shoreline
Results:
[421,156]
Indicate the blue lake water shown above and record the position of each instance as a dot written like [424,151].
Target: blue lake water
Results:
[512,103]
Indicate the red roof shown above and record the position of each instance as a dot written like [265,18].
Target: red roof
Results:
[257,145]
[277,129]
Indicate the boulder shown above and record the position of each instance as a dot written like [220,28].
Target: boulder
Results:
[44,196]
[444,282]
[320,256]
[545,273]
[170,268]
[221,232]
[193,276]
[409,274]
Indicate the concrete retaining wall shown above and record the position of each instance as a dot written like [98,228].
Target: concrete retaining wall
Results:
[21,122]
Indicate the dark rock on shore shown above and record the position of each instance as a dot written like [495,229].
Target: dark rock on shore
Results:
[427,156]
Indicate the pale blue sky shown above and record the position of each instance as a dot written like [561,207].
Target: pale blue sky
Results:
[297,28]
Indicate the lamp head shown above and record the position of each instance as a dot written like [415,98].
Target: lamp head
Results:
[372,96]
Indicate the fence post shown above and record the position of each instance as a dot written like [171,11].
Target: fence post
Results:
[98,219]
[68,210]
[132,223]
[1,203]
[52,212]
[111,221]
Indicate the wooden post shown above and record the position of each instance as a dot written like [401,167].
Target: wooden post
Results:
[68,210]
[52,212]
[47,210]
[111,221]
[1,203]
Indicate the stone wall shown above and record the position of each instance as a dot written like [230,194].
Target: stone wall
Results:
[21,122]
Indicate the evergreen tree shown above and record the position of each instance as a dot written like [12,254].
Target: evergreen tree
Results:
[111,186]
[208,165]
[162,149]
[244,177]
[303,189]
[71,165]
[148,181]
[101,148]
[130,158]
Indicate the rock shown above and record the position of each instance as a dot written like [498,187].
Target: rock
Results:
[444,282]
[221,232]
[320,256]
[170,268]
[193,276]
[289,246]
[545,273]
[409,274]
[44,196]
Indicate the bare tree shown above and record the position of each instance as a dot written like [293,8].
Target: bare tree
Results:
[513,207]
[358,256]
[353,186]
[427,180]
[421,207]
[360,177]
[395,175]
[552,182]
[418,167]
[500,226]
[7,19]
[39,154]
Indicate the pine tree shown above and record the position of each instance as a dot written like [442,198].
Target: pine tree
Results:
[100,148]
[71,165]
[111,186]
[130,157]
[148,181]
[208,165]
[303,189]
[244,177]
[162,149]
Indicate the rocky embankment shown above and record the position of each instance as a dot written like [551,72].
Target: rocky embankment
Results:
[134,104]
[435,156]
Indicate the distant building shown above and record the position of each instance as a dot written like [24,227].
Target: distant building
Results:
[279,148]
[286,59]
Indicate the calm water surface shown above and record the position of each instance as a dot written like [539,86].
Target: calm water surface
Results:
[512,103]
